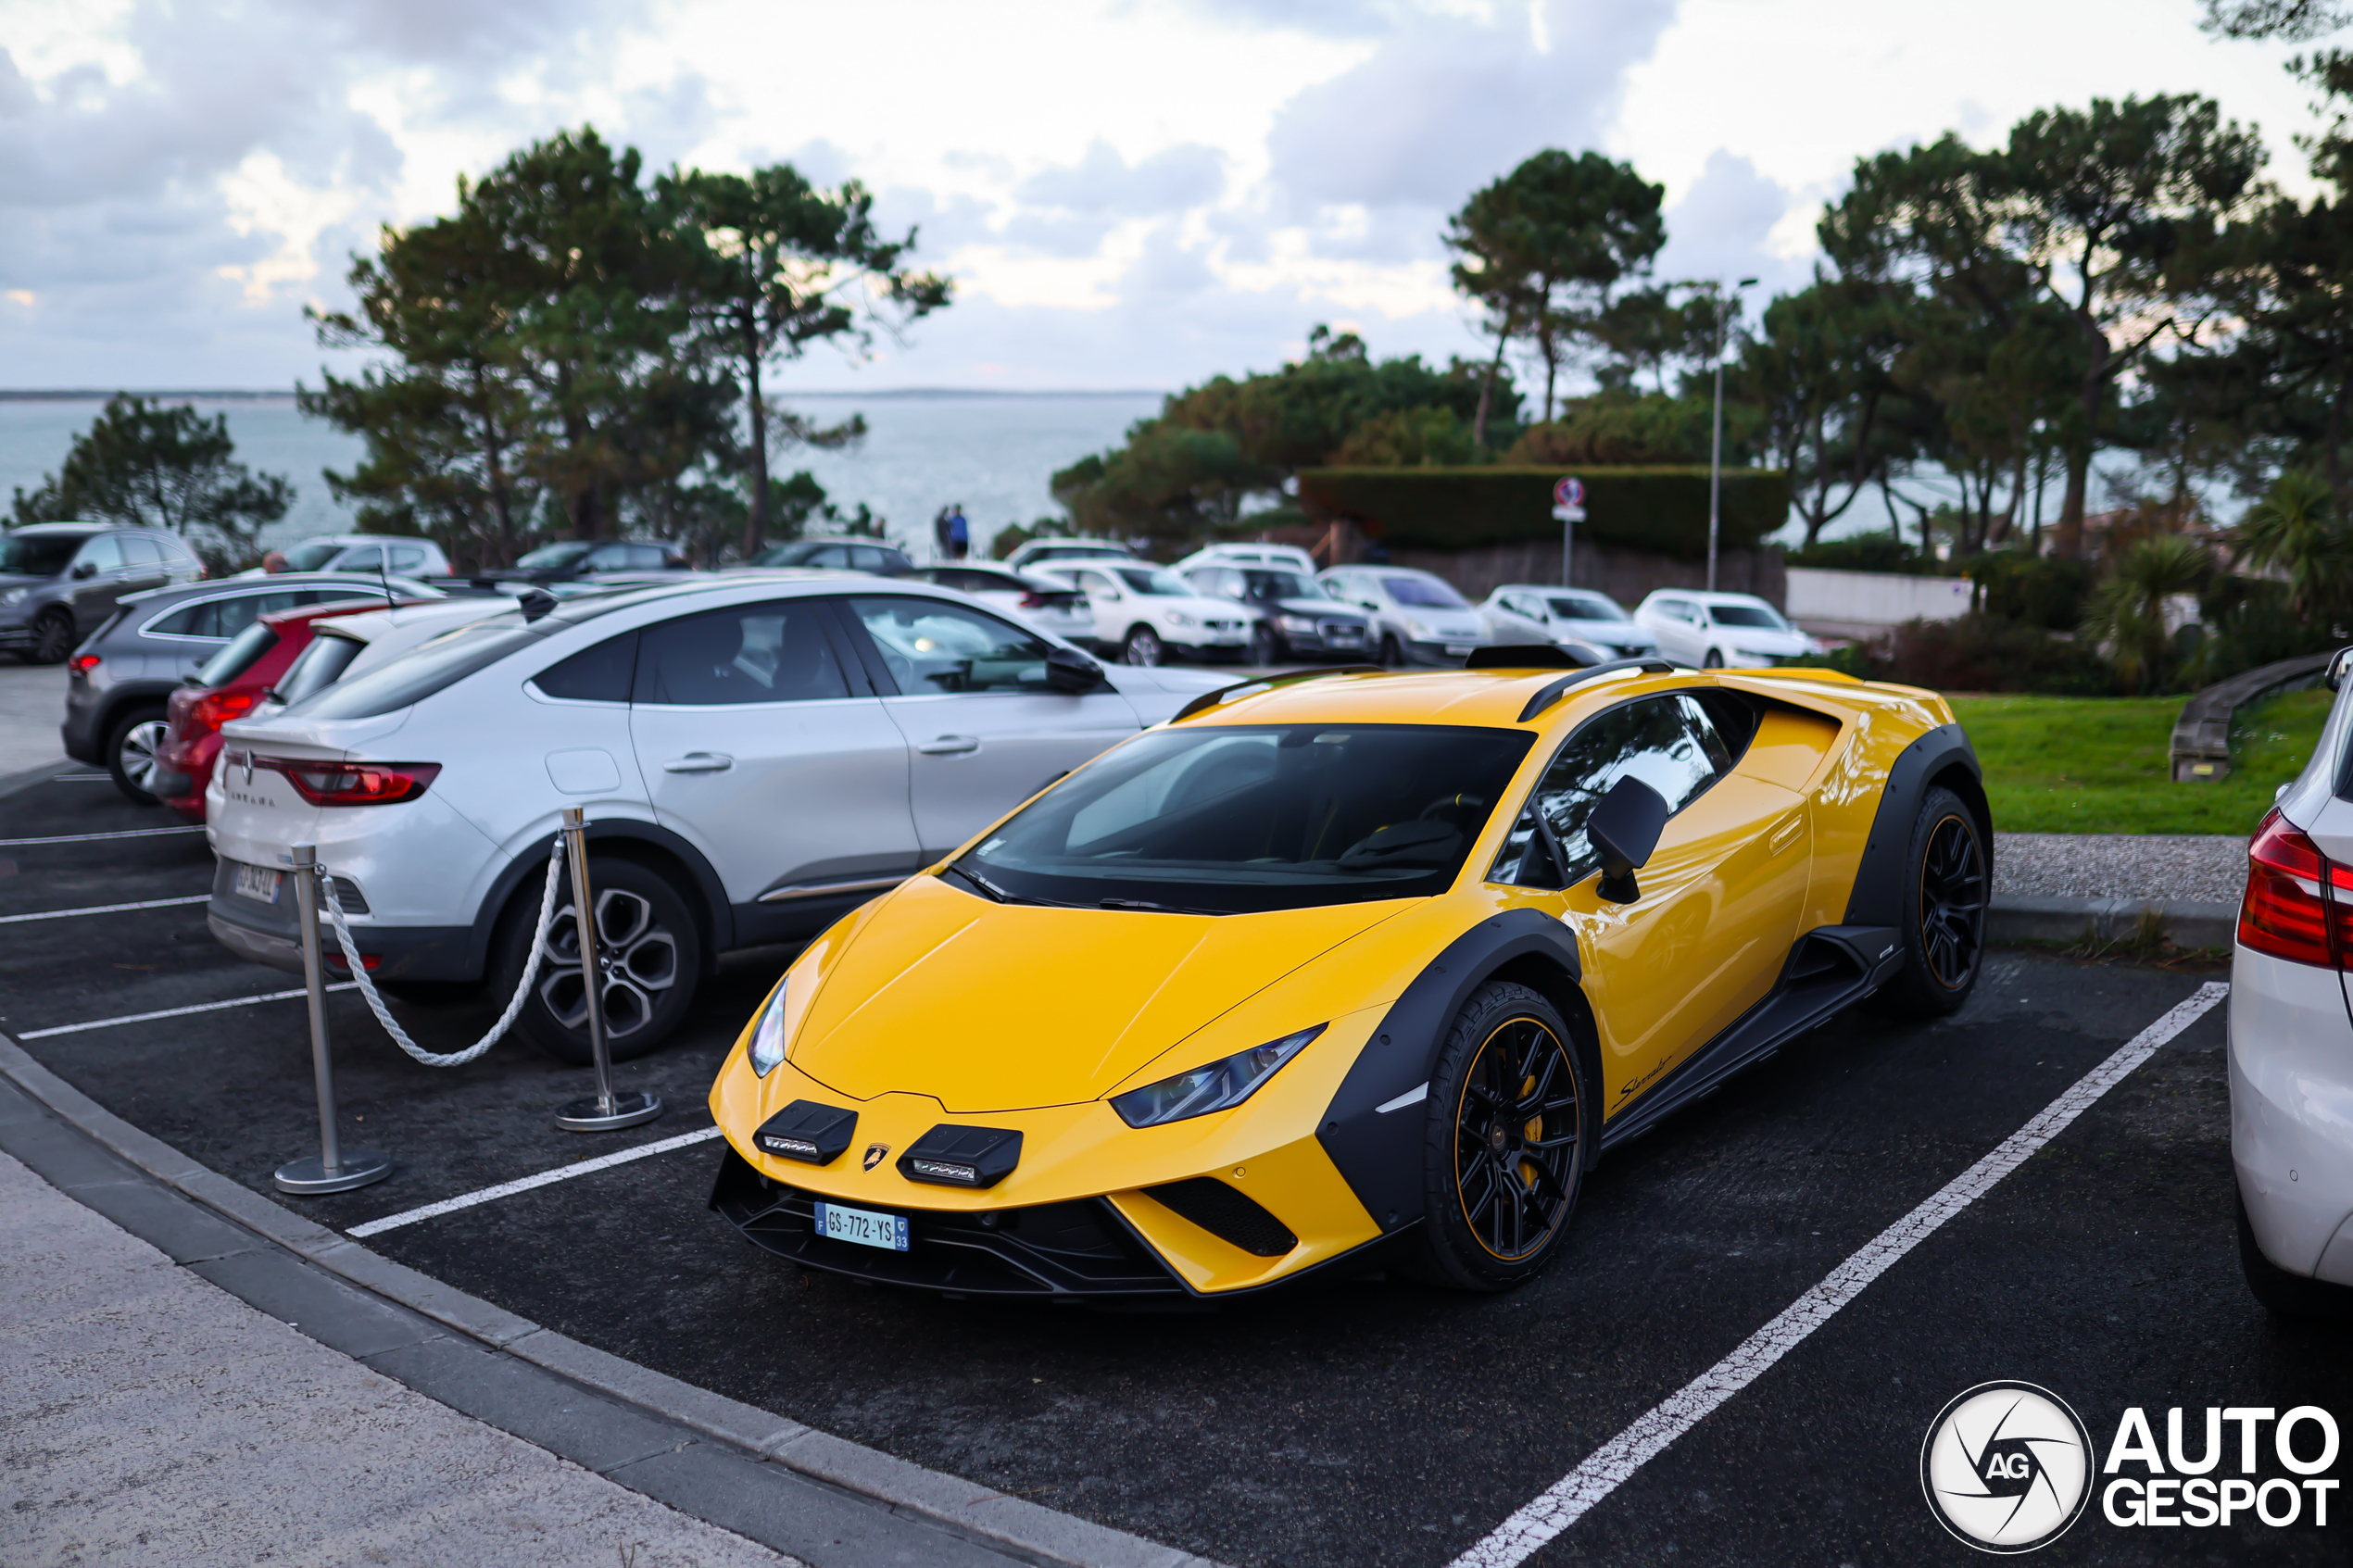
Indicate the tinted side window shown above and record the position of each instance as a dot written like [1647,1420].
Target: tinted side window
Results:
[772,652]
[833,556]
[645,557]
[139,550]
[103,552]
[367,557]
[406,558]
[598,674]
[933,646]
[1667,741]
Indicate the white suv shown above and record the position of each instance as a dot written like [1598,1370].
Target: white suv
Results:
[1144,613]
[1530,612]
[2291,1053]
[1417,616]
[1713,631]
[757,755]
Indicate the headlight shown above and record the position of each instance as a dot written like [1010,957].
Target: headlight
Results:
[1179,618]
[1221,1086]
[1295,622]
[768,1040]
[1420,629]
[14,596]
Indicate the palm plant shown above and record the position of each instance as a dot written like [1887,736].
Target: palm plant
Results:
[2125,617]
[2294,528]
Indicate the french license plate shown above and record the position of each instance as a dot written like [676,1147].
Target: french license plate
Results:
[863,1226]
[257,881]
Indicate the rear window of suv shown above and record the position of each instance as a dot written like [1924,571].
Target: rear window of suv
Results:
[423,670]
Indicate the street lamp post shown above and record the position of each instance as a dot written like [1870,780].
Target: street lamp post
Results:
[1724,302]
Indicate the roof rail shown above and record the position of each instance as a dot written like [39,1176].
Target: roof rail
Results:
[1266,682]
[1552,692]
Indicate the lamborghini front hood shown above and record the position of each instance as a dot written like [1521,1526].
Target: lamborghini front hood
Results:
[1003,1006]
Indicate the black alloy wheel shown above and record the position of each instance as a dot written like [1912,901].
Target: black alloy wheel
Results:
[1393,657]
[1947,884]
[131,754]
[1264,646]
[648,964]
[1504,1155]
[52,637]
[1715,660]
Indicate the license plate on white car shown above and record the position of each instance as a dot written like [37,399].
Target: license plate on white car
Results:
[257,881]
[863,1226]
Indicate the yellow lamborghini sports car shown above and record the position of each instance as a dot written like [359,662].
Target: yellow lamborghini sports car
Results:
[1346,972]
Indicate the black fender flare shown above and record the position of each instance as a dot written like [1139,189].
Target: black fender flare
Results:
[1379,1152]
[1878,894]
[709,892]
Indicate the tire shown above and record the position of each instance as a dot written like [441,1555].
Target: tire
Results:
[52,637]
[1391,656]
[1715,660]
[1497,1202]
[2285,1294]
[1264,646]
[649,984]
[1142,647]
[1947,884]
[131,744]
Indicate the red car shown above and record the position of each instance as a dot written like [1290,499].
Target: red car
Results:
[231,684]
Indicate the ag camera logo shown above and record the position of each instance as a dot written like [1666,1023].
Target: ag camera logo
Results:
[2007,1467]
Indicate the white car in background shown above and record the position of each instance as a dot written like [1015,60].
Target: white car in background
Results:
[1145,613]
[363,641]
[1718,631]
[2290,1050]
[1048,603]
[1529,612]
[757,755]
[1282,558]
[397,553]
[1418,617]
[1032,553]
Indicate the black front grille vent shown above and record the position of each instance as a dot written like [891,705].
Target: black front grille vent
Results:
[1226,1215]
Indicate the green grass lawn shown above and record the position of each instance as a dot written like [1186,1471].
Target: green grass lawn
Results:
[2063,764]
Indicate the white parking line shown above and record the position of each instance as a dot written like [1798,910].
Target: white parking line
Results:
[87,837]
[175,1012]
[110,908]
[545,1178]
[1518,1538]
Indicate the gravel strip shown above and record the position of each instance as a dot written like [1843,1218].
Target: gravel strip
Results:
[2206,867]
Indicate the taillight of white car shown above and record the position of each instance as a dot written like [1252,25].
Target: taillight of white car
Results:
[2298,906]
[353,784]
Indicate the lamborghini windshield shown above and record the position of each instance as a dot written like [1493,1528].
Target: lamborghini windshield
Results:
[1235,820]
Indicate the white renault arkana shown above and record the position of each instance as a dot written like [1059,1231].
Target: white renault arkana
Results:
[2292,1036]
[757,757]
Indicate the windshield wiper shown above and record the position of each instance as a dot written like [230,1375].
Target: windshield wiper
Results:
[989,890]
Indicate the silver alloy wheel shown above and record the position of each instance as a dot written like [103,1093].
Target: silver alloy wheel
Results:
[638,959]
[137,753]
[1142,647]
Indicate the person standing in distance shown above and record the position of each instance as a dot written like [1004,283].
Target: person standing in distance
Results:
[959,533]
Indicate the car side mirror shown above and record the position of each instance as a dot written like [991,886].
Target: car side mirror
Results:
[84,569]
[2338,665]
[1067,669]
[1624,827]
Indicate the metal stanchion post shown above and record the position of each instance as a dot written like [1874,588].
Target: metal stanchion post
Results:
[337,1169]
[604,1111]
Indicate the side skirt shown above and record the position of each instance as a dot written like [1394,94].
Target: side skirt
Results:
[1831,968]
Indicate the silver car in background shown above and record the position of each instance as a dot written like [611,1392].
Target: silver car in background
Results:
[1529,612]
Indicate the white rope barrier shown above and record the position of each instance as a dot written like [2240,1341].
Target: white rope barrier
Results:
[514,1004]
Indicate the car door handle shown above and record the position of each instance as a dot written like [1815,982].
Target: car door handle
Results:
[1783,834]
[949,745]
[700,762]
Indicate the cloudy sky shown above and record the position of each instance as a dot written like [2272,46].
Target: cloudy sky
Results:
[1130,194]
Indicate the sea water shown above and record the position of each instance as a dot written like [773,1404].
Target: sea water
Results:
[993,453]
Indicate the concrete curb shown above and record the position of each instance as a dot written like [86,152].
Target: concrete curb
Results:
[2191,923]
[992,1520]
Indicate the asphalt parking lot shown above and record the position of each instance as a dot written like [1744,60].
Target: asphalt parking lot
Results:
[1371,1423]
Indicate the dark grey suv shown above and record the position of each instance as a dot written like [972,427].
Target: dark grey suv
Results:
[118,681]
[59,580]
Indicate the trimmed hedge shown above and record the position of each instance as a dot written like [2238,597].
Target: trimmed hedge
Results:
[1660,509]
